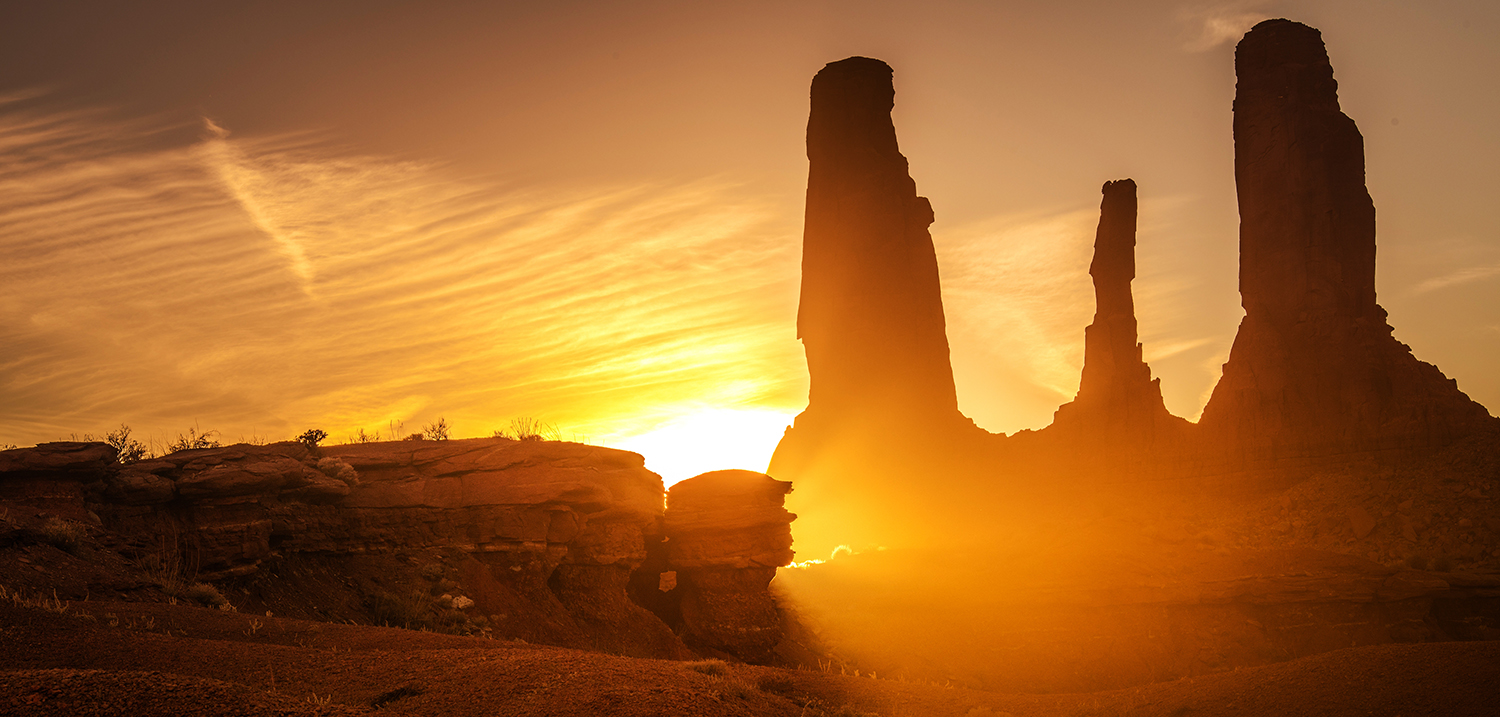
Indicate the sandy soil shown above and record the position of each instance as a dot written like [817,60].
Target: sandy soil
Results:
[99,658]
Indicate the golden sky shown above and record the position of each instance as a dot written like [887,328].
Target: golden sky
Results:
[269,217]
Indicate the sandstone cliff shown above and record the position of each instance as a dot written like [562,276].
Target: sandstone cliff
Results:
[539,540]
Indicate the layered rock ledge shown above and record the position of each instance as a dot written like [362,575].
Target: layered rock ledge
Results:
[727,533]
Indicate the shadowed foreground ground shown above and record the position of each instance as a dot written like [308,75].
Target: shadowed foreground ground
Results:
[118,658]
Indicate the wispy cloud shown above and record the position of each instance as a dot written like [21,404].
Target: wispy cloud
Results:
[265,285]
[1209,26]
[247,186]
[1455,278]
[1017,293]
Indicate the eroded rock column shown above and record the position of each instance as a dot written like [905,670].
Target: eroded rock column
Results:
[1117,400]
[871,312]
[1314,368]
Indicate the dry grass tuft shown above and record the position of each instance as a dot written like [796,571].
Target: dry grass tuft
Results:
[62,534]
[712,668]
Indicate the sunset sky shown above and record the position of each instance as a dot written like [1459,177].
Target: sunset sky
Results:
[258,218]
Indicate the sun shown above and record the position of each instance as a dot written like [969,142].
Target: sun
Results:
[708,441]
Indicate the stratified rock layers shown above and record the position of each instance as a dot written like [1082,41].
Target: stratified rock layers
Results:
[552,530]
[1117,399]
[1314,369]
[727,532]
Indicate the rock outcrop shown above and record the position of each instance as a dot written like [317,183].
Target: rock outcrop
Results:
[1118,403]
[871,312]
[870,318]
[76,459]
[1314,370]
[727,533]
[557,527]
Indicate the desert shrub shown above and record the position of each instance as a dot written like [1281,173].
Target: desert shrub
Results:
[437,431]
[62,534]
[205,594]
[361,437]
[432,571]
[712,668]
[529,429]
[392,610]
[415,437]
[736,690]
[776,685]
[166,565]
[312,437]
[42,602]
[193,439]
[129,449]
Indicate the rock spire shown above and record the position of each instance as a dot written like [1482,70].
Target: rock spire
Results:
[1314,368]
[1117,398]
[871,313]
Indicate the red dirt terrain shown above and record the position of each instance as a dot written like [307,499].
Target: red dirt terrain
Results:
[98,658]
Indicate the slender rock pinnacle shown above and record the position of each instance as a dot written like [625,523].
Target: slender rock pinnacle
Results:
[871,314]
[1117,397]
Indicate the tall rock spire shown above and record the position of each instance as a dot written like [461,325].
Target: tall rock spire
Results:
[871,315]
[1314,368]
[1117,398]
[881,399]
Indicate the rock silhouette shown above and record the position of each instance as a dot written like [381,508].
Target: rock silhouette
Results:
[1314,378]
[1314,369]
[871,312]
[1117,399]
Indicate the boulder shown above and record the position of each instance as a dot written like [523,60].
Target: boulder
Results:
[727,533]
[262,476]
[137,487]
